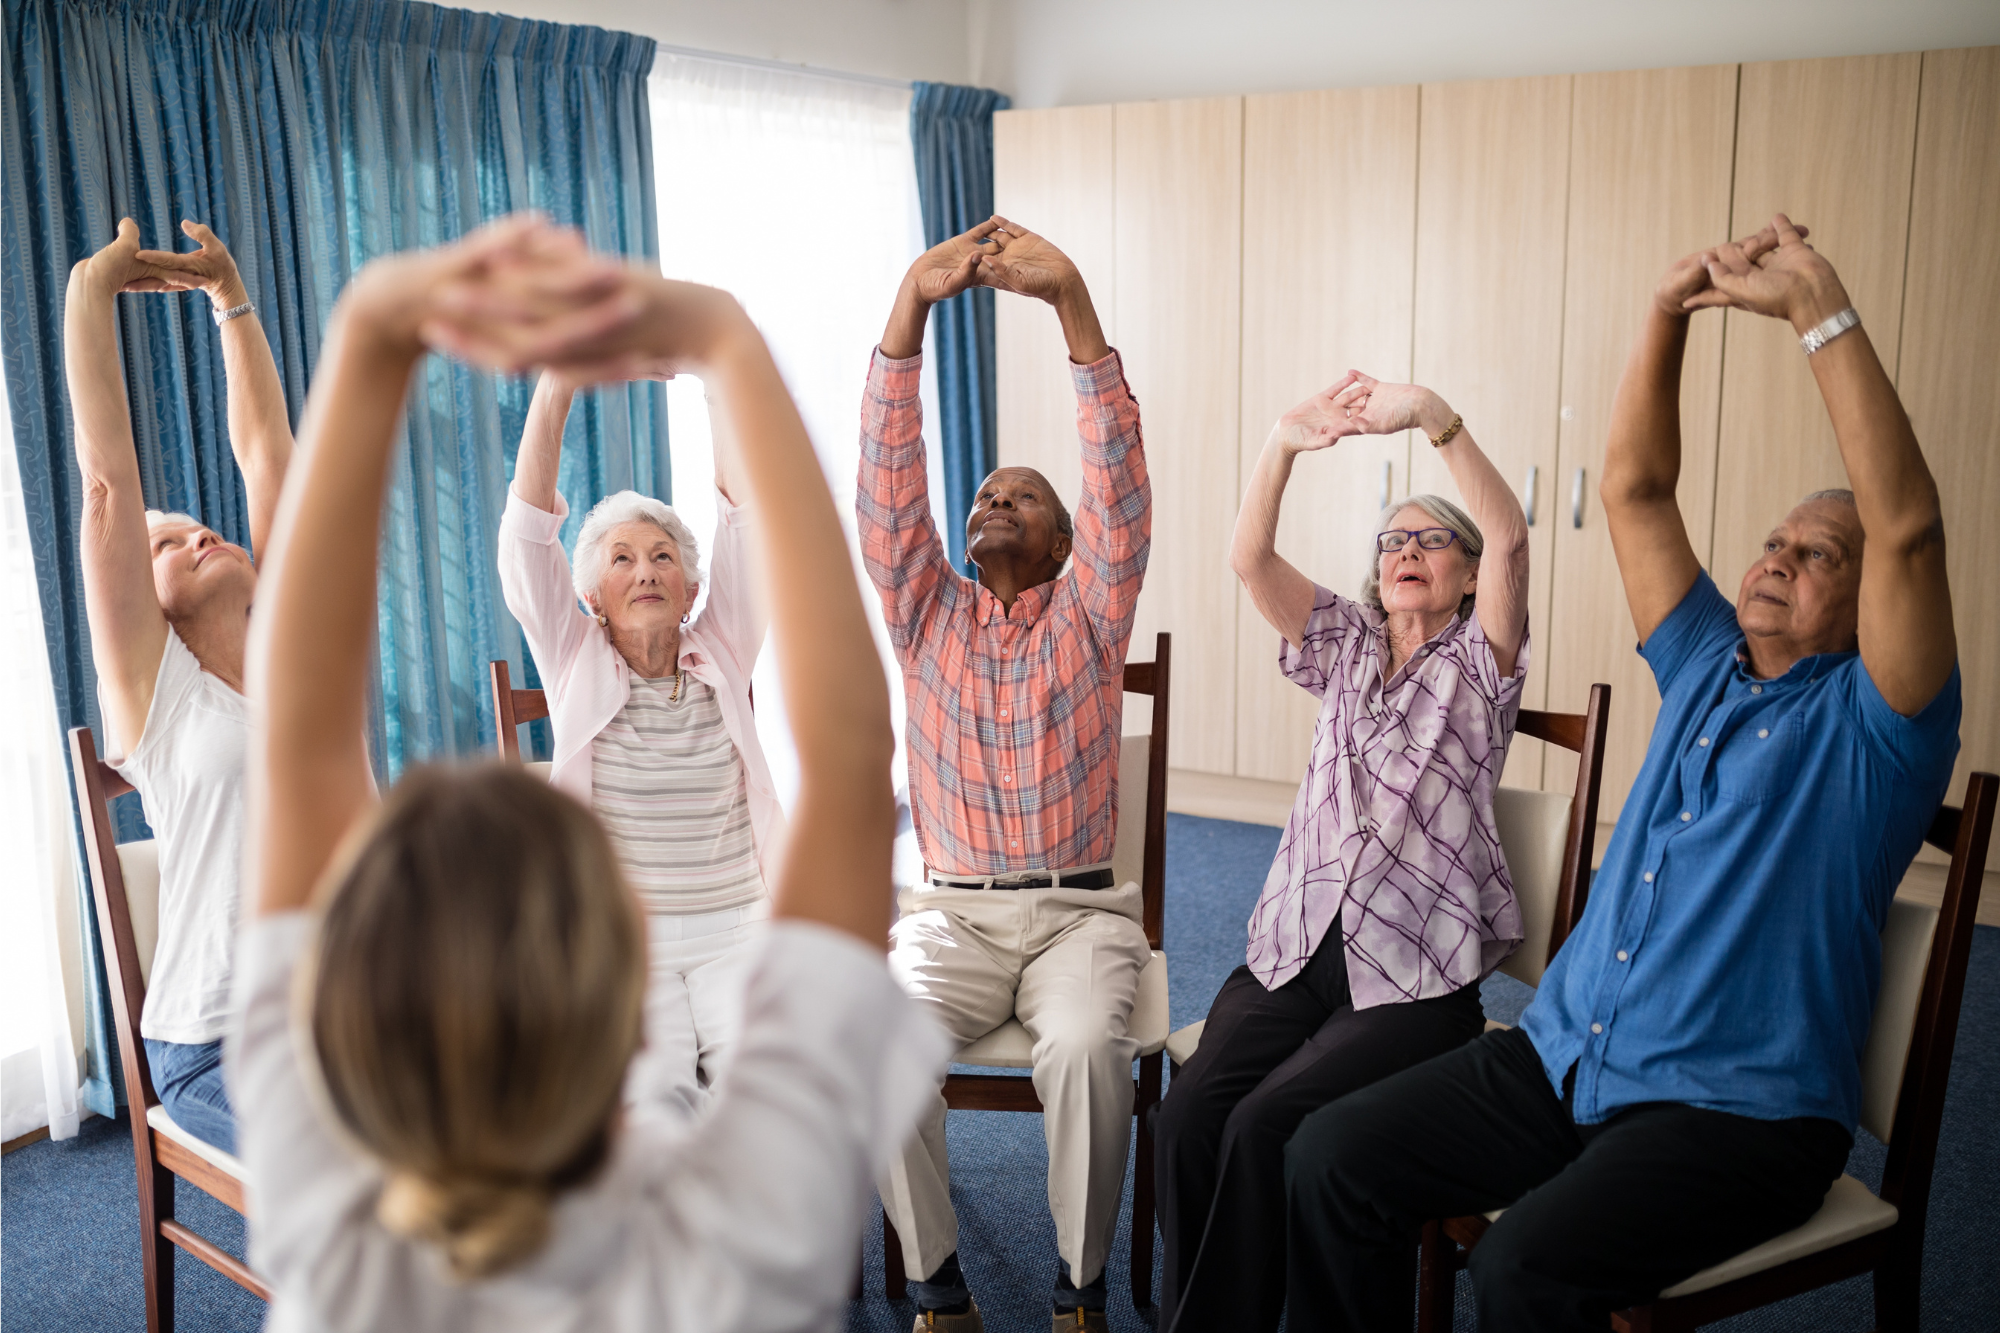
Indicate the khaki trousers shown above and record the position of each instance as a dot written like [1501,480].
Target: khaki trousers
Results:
[1066,962]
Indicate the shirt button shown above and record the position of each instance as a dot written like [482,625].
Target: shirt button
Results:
[1003,712]
[1702,741]
[1016,844]
[1597,1029]
[1763,733]
[1009,777]
[1756,689]
[1622,955]
[1685,816]
[1649,877]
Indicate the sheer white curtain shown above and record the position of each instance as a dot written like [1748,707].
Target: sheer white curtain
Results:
[40,1006]
[798,193]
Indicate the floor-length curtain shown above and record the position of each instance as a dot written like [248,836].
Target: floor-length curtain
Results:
[313,136]
[39,1025]
[796,192]
[951,129]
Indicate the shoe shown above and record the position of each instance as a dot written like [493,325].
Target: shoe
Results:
[1072,1321]
[931,1321]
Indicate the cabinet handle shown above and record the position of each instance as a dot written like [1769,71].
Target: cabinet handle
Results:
[1534,475]
[1576,500]
[1388,478]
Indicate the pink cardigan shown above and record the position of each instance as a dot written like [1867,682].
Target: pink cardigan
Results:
[587,679]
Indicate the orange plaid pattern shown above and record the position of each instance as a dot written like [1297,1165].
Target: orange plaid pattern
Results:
[1013,718]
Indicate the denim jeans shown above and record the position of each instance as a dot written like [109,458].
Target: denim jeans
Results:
[189,1081]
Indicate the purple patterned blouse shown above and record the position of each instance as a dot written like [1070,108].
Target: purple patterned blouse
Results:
[1393,825]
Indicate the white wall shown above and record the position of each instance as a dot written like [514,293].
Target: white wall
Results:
[896,39]
[1070,52]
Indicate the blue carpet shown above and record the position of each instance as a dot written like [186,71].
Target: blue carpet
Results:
[69,1254]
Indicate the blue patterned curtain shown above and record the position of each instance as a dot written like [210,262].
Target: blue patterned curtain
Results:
[312,137]
[951,128]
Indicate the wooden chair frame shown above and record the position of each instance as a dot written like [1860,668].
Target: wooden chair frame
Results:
[1016,1092]
[159,1160]
[1893,1256]
[512,708]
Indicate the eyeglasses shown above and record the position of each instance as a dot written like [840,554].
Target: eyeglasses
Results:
[1430,539]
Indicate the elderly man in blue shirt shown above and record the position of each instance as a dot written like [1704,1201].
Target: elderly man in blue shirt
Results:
[1687,1082]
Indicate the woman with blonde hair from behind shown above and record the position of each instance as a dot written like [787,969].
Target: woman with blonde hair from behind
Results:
[441,992]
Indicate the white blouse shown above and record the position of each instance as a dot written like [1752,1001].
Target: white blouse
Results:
[749,1221]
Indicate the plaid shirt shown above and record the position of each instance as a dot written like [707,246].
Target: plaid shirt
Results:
[1013,716]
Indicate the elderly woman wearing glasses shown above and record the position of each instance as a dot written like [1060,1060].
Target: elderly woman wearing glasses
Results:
[1389,900]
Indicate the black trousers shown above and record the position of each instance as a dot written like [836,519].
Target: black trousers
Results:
[1266,1060]
[1599,1217]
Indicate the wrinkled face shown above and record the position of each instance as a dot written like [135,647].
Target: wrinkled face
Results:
[644,587]
[1014,517]
[1423,582]
[1806,587]
[193,568]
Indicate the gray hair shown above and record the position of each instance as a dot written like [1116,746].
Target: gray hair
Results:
[1836,494]
[590,562]
[1446,515]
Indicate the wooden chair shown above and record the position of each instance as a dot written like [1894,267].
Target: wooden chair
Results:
[1903,1074]
[1140,854]
[1548,838]
[125,883]
[512,708]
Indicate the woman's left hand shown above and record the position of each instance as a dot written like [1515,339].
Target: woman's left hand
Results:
[210,270]
[1371,407]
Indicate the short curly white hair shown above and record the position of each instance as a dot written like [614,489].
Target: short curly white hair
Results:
[588,566]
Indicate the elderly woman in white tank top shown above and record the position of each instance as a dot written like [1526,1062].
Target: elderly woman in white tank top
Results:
[653,731]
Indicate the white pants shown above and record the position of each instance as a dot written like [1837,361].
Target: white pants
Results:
[694,1006]
[1066,962]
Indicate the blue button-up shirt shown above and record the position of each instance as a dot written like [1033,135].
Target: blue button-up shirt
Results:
[1731,948]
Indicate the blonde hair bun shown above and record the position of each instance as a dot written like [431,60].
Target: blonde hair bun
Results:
[482,1226]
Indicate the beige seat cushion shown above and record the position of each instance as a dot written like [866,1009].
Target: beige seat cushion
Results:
[1009,1046]
[163,1124]
[1850,1212]
[1182,1045]
[539,767]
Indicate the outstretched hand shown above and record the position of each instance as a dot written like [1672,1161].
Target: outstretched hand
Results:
[1774,273]
[1687,286]
[1360,404]
[122,266]
[952,265]
[210,269]
[1022,261]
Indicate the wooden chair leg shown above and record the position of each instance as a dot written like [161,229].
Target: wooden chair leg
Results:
[1142,1182]
[895,1284]
[1437,1279]
[1898,1291]
[156,1205]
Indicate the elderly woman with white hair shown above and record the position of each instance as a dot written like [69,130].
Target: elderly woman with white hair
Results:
[653,731]
[1389,900]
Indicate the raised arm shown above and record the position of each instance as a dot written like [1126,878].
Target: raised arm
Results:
[538,463]
[128,630]
[260,431]
[1908,642]
[1281,594]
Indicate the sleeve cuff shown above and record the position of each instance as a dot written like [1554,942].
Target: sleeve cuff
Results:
[893,379]
[531,522]
[1102,380]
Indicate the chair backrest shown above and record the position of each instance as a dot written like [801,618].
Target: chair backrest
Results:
[511,708]
[1907,1063]
[1141,850]
[125,886]
[1548,837]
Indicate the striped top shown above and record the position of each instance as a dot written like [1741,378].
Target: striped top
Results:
[666,780]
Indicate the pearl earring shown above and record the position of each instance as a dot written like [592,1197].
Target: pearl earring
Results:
[602,619]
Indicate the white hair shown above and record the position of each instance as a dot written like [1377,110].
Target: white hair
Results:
[155,517]
[587,569]
[1447,515]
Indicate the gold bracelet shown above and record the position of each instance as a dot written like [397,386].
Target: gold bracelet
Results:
[1441,441]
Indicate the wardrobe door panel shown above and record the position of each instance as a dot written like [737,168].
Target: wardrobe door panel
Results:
[1829,143]
[1492,183]
[1179,257]
[1329,229]
[1948,363]
[1650,162]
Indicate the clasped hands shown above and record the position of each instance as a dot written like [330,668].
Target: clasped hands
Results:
[1772,273]
[122,266]
[1360,404]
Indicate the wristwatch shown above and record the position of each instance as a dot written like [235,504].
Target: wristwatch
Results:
[1824,332]
[224,316]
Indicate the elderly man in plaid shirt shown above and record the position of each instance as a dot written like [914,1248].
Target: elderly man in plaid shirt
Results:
[1014,700]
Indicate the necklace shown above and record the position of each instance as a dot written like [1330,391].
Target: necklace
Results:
[676,696]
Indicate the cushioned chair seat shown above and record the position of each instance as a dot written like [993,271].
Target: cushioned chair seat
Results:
[1181,1046]
[163,1125]
[1009,1046]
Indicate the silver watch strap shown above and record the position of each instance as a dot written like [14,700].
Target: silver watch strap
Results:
[1824,332]
[224,316]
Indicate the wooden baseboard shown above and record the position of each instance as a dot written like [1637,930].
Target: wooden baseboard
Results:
[32,1136]
[1254,801]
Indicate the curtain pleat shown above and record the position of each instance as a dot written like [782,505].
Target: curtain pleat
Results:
[313,136]
[951,129]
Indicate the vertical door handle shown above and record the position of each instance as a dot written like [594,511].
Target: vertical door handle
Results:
[1576,500]
[1534,475]
[1388,479]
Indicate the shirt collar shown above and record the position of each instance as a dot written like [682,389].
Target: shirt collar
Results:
[1028,607]
[1802,672]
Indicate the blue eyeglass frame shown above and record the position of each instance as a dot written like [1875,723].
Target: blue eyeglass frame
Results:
[1418,534]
